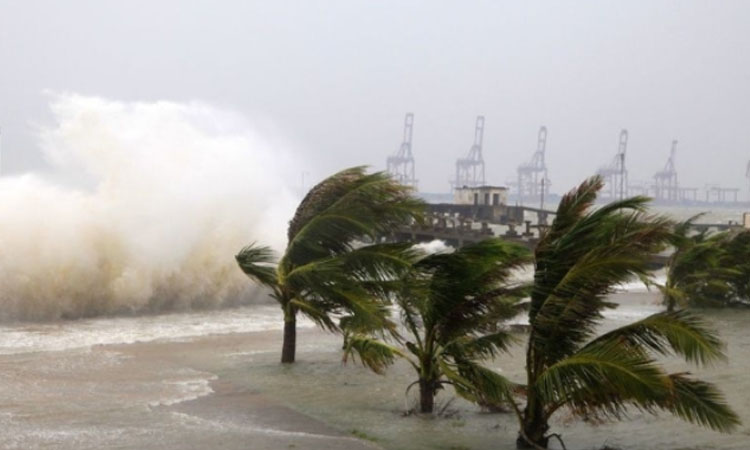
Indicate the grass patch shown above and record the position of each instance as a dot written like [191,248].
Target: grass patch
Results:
[362,435]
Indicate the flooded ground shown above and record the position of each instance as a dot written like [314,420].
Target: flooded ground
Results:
[212,380]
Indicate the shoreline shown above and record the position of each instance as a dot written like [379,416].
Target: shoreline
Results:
[164,394]
[241,408]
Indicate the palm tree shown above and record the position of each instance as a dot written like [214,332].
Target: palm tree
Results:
[737,257]
[580,259]
[451,305]
[327,268]
[699,271]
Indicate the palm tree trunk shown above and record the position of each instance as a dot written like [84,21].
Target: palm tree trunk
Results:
[535,425]
[534,422]
[426,396]
[288,348]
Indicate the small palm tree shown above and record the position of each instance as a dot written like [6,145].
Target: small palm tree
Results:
[451,305]
[582,257]
[699,271]
[327,268]
[737,257]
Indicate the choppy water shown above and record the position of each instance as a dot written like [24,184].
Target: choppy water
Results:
[61,388]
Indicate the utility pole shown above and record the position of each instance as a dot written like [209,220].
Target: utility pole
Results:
[541,205]
[622,176]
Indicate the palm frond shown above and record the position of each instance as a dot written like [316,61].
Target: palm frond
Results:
[472,289]
[315,311]
[353,300]
[347,207]
[371,264]
[683,229]
[257,262]
[737,249]
[481,385]
[601,378]
[372,353]
[699,402]
[679,332]
[482,347]
[569,306]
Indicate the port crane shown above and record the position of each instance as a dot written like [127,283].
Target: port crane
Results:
[470,170]
[665,180]
[615,174]
[532,176]
[401,164]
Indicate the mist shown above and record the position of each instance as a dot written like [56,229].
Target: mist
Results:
[337,77]
[141,209]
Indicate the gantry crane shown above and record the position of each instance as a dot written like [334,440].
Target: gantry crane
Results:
[665,181]
[401,164]
[615,174]
[532,176]
[470,170]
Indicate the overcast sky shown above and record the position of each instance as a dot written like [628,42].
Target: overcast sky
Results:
[336,77]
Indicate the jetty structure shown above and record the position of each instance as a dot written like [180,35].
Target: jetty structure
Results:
[482,212]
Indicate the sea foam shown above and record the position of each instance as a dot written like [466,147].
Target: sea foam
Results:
[143,209]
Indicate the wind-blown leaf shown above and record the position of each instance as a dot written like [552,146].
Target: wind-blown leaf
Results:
[374,354]
[699,402]
[347,207]
[482,347]
[485,385]
[256,262]
[604,370]
[677,332]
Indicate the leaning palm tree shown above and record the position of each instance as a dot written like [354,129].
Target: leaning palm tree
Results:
[328,269]
[583,256]
[451,305]
[699,271]
[737,256]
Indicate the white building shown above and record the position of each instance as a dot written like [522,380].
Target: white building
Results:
[481,195]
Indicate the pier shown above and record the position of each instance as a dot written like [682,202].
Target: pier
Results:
[459,224]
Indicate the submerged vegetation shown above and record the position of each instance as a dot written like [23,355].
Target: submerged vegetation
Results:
[707,270]
[580,260]
[452,305]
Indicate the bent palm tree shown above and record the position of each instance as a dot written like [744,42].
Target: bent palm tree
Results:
[699,272]
[326,268]
[579,261]
[737,256]
[451,305]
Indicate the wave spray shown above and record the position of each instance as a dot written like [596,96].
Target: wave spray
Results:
[143,211]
